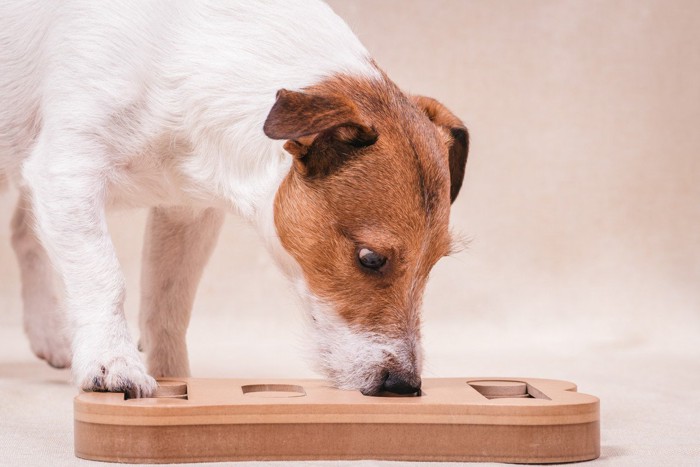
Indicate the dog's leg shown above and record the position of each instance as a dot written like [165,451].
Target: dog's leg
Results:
[178,244]
[67,173]
[44,320]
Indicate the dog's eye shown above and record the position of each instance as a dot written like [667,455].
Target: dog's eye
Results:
[371,259]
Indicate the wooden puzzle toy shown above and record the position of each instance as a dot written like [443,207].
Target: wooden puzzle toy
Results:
[519,420]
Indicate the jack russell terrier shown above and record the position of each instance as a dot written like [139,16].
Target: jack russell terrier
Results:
[272,110]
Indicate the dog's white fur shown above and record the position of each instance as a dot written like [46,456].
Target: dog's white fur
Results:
[148,103]
[351,355]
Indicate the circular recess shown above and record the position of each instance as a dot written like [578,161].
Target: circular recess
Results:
[273,390]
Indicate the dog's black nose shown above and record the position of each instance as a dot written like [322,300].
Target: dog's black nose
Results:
[398,384]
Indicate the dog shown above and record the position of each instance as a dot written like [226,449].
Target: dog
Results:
[270,110]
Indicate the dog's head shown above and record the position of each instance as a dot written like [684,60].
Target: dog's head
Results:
[364,212]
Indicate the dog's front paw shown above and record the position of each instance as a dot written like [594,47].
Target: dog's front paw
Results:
[125,374]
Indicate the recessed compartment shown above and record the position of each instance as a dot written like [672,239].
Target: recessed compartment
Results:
[502,389]
[171,390]
[273,390]
[166,391]
[393,394]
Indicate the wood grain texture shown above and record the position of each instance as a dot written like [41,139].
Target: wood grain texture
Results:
[451,421]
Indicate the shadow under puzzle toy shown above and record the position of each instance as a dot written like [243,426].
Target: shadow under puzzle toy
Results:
[523,420]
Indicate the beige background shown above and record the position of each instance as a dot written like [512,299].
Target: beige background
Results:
[581,204]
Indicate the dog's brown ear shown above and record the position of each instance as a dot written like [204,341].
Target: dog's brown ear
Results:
[459,145]
[322,131]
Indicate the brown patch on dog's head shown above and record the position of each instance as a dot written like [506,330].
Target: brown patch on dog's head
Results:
[374,171]
[323,131]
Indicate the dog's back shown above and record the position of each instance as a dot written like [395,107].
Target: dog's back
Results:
[153,67]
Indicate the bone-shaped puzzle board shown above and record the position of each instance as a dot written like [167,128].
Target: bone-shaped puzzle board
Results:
[520,420]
